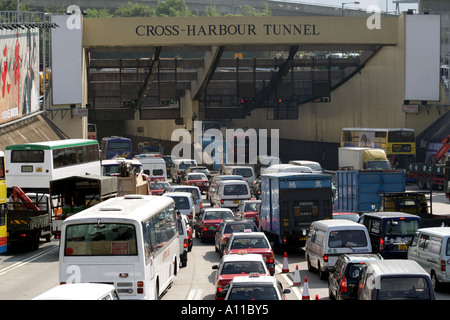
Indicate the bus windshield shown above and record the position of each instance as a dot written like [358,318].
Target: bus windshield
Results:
[100,239]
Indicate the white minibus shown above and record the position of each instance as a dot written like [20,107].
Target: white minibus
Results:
[131,242]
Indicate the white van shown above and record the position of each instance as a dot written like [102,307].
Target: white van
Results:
[328,239]
[80,291]
[229,193]
[395,279]
[430,248]
[184,240]
[196,194]
[154,167]
[246,172]
[184,202]
[178,167]
[315,166]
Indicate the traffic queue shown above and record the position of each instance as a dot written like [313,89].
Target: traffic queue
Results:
[248,219]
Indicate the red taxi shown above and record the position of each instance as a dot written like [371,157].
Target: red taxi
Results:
[158,187]
[234,265]
[209,221]
[196,179]
[228,227]
[251,242]
[250,209]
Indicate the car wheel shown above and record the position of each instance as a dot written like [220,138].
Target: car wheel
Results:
[330,293]
[322,274]
[435,282]
[310,268]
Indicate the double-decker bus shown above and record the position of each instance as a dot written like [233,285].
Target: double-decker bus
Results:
[116,147]
[131,242]
[399,143]
[3,229]
[32,166]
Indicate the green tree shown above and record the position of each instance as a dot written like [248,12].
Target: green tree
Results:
[172,8]
[134,10]
[98,13]
[11,5]
[211,11]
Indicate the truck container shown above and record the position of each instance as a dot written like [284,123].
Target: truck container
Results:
[362,190]
[291,202]
[355,158]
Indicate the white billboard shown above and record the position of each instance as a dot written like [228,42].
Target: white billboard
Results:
[67,59]
[422,58]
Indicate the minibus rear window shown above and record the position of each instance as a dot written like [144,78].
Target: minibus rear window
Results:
[100,239]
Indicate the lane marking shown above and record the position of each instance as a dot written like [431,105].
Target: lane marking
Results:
[295,289]
[195,294]
[28,260]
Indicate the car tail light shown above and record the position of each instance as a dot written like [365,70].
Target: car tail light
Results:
[185,244]
[325,258]
[219,286]
[221,201]
[140,287]
[343,287]
[205,229]
[381,244]
[443,263]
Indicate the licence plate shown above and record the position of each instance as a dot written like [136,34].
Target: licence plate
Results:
[235,201]
[402,247]
[212,228]
[199,183]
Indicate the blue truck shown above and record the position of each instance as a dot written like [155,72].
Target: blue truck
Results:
[290,203]
[362,190]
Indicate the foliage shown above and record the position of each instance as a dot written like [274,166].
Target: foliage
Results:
[172,8]
[134,10]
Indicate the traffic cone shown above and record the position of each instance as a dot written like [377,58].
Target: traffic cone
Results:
[305,293]
[297,281]
[285,268]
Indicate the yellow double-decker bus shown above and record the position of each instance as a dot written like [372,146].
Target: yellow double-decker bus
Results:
[399,143]
[3,228]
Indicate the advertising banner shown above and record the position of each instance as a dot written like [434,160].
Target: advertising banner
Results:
[19,81]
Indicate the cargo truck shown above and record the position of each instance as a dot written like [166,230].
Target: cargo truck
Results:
[29,218]
[362,190]
[355,158]
[290,203]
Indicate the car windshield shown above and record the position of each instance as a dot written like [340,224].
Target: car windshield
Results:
[215,215]
[401,227]
[402,288]
[235,189]
[347,238]
[181,202]
[252,207]
[253,292]
[243,172]
[243,267]
[252,242]
[196,177]
[239,227]
[159,185]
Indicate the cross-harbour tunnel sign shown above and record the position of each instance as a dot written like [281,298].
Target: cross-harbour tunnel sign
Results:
[151,30]
[177,31]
